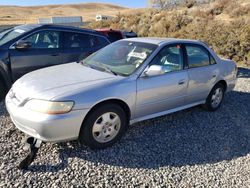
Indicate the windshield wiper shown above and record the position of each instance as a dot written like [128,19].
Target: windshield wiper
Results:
[100,67]
[106,68]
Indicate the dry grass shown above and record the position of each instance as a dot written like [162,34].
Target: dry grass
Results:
[10,15]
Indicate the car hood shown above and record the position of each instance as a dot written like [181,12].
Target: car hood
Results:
[57,80]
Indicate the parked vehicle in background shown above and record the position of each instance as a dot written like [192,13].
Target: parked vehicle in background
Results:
[126,82]
[29,47]
[129,34]
[115,35]
[100,17]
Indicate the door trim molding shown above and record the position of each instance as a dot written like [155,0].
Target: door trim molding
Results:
[165,112]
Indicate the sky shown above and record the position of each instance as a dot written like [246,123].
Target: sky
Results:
[126,3]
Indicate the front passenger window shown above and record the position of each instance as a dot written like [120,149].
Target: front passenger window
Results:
[44,40]
[170,58]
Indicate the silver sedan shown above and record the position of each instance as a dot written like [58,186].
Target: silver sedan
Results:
[126,82]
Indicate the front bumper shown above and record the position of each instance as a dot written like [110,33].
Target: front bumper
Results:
[48,128]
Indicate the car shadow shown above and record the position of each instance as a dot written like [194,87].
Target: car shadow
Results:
[190,137]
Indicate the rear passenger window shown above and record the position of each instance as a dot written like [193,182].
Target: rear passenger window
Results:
[98,42]
[77,40]
[197,56]
[102,41]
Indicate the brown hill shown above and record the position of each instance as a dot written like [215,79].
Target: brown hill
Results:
[20,15]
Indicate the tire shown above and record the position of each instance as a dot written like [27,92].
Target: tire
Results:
[103,127]
[3,90]
[214,99]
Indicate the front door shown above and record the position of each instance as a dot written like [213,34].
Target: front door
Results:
[45,51]
[163,92]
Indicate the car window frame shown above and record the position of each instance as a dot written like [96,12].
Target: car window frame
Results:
[210,56]
[65,33]
[162,48]
[51,30]
[81,32]
[12,46]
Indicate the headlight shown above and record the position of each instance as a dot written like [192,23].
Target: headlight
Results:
[49,107]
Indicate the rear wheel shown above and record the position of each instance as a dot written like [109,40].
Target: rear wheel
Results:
[103,127]
[3,90]
[215,98]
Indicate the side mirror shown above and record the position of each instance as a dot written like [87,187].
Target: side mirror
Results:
[154,70]
[22,45]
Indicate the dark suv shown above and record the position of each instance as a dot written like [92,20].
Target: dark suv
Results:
[115,35]
[29,47]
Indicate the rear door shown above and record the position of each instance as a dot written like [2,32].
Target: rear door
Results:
[78,46]
[167,91]
[202,72]
[45,51]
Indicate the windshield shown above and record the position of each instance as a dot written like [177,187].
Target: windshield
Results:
[10,34]
[122,57]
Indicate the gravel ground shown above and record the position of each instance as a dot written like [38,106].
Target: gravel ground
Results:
[191,148]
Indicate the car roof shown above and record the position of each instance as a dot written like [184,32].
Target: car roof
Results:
[63,27]
[108,30]
[28,26]
[159,41]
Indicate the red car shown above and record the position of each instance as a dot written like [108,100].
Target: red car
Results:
[114,35]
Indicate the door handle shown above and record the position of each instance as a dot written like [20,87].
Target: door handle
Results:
[181,82]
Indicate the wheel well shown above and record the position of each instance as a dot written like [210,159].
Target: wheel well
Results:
[224,83]
[3,81]
[119,102]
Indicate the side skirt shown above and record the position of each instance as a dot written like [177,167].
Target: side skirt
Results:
[165,112]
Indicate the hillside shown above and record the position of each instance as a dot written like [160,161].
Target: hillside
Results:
[223,24]
[12,15]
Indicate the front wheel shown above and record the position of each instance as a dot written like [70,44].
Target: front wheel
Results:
[215,98]
[103,127]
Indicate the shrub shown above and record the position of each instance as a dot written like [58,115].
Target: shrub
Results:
[230,40]
[190,3]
